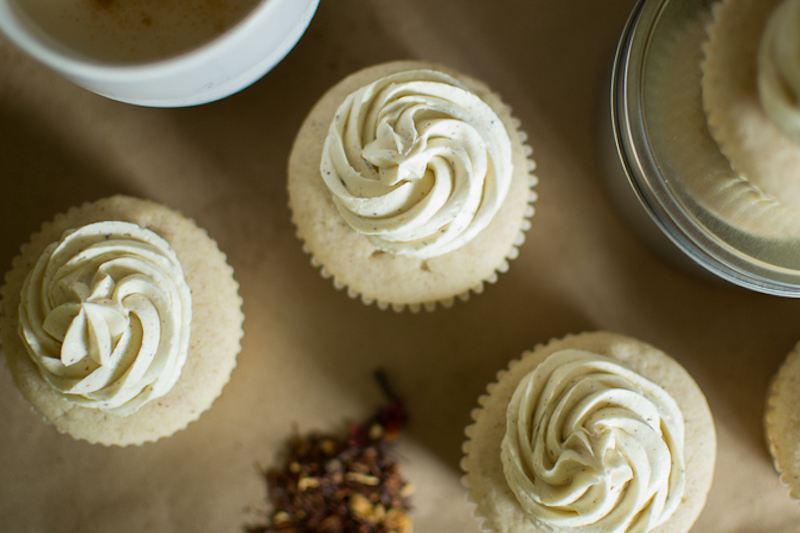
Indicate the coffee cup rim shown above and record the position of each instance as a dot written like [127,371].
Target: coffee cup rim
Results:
[25,36]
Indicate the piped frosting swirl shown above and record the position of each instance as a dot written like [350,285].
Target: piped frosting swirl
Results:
[591,446]
[106,315]
[417,162]
[779,68]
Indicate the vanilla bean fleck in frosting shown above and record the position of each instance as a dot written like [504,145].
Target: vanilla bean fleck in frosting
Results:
[592,446]
[779,68]
[105,314]
[417,162]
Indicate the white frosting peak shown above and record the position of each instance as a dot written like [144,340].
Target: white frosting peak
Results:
[417,162]
[105,314]
[779,68]
[591,446]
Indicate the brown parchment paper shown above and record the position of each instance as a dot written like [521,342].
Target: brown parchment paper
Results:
[309,351]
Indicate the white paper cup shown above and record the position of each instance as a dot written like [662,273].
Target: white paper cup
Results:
[215,69]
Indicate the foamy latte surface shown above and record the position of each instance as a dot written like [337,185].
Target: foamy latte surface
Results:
[134,31]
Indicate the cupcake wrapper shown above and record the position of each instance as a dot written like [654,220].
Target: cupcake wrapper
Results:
[480,509]
[782,425]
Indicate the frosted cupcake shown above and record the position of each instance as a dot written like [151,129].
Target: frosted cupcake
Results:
[782,423]
[121,321]
[593,432]
[751,90]
[410,184]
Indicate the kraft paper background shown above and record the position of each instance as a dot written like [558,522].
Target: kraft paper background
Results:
[309,351]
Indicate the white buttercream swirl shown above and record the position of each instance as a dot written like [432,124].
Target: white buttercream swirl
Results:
[105,314]
[779,68]
[591,446]
[417,162]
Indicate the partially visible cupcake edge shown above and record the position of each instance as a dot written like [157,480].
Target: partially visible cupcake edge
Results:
[67,407]
[772,423]
[481,511]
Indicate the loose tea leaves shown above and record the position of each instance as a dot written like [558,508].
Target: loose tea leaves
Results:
[342,484]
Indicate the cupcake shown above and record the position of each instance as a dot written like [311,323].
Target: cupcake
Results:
[593,432]
[782,422]
[410,185]
[684,142]
[750,90]
[121,321]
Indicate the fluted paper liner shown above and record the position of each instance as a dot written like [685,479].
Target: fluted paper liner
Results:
[782,422]
[215,338]
[392,280]
[495,506]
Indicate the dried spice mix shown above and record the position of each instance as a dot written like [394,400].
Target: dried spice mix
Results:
[334,484]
